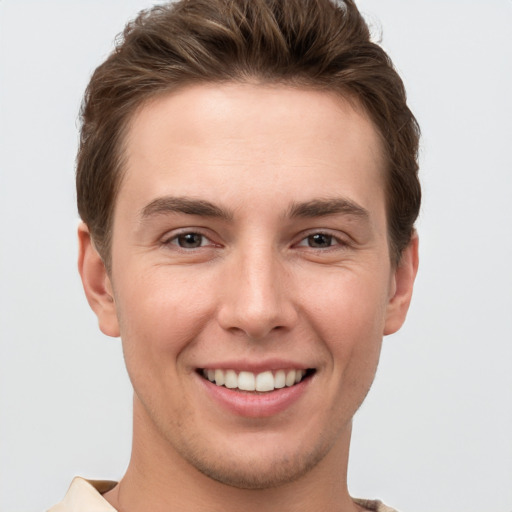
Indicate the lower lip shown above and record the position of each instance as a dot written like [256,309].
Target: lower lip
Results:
[253,405]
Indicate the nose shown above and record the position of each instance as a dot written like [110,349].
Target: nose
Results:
[257,296]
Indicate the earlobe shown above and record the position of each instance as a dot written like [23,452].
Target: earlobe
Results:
[96,283]
[402,286]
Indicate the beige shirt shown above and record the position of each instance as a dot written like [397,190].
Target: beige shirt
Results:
[86,496]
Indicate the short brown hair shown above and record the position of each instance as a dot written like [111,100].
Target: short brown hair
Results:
[305,43]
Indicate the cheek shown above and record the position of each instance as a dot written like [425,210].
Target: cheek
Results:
[160,314]
[348,312]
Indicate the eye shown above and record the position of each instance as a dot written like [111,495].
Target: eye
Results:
[319,241]
[189,240]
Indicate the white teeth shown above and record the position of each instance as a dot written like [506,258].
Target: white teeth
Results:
[290,378]
[231,379]
[265,381]
[280,379]
[219,377]
[248,381]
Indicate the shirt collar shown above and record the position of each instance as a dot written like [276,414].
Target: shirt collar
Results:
[86,496]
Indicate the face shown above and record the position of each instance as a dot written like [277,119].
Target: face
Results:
[251,280]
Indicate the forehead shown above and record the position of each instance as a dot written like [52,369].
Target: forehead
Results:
[227,139]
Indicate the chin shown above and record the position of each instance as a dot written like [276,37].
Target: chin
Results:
[256,471]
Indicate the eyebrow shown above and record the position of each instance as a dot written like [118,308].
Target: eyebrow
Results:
[307,209]
[187,205]
[324,207]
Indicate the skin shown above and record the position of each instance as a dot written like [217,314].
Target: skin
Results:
[268,281]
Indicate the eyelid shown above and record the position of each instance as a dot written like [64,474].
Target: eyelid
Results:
[172,236]
[341,240]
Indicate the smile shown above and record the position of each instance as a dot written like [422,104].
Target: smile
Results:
[262,382]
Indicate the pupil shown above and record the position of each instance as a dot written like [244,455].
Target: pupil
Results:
[190,240]
[320,240]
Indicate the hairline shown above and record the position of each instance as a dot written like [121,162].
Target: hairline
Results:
[342,93]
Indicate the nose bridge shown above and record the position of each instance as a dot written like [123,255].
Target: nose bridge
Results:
[257,300]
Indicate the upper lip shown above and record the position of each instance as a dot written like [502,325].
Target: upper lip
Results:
[245,365]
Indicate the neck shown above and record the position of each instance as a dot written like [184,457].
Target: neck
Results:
[159,479]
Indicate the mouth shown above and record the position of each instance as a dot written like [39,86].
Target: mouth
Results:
[249,382]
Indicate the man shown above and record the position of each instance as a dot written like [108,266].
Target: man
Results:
[247,181]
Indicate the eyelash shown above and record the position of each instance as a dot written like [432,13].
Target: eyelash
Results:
[332,240]
[175,240]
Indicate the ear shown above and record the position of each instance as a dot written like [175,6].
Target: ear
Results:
[96,283]
[401,286]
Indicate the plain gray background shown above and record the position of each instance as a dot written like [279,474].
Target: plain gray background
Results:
[435,434]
